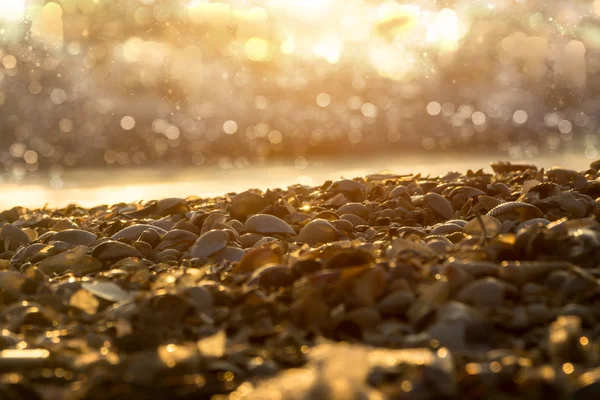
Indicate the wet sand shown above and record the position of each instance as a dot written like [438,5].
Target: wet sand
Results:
[109,186]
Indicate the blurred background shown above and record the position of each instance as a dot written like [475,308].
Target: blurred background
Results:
[118,100]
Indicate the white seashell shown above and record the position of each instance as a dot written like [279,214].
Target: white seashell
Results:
[268,224]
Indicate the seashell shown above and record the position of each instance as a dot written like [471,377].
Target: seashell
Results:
[459,222]
[211,221]
[490,224]
[268,224]
[173,205]
[445,229]
[529,185]
[208,244]
[108,291]
[269,253]
[165,224]
[63,224]
[245,204]
[507,167]
[568,201]
[398,191]
[326,215]
[523,272]
[114,251]
[488,203]
[317,231]
[272,276]
[515,210]
[134,231]
[72,260]
[264,240]
[75,237]
[440,205]
[13,237]
[24,253]
[466,191]
[228,254]
[165,310]
[354,208]
[355,220]
[349,258]
[440,246]
[180,235]
[546,189]
[486,292]
[249,239]
[346,185]
[499,188]
[399,246]
[396,303]
[150,236]
[343,225]
[561,176]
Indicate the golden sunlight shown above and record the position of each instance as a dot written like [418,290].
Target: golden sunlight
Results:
[12,10]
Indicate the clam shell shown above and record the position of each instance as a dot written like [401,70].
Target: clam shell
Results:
[180,234]
[114,251]
[516,210]
[398,191]
[346,185]
[489,202]
[268,224]
[492,226]
[208,244]
[507,167]
[486,292]
[440,205]
[228,254]
[445,229]
[107,291]
[354,208]
[318,231]
[14,236]
[72,260]
[466,191]
[355,220]
[134,231]
[76,236]
[245,204]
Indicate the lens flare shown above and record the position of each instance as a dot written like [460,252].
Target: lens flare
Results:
[12,10]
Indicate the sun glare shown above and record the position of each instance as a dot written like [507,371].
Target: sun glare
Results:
[12,10]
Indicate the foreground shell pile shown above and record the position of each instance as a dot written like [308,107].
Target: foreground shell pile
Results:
[464,286]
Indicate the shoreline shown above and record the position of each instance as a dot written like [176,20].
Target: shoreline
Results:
[91,187]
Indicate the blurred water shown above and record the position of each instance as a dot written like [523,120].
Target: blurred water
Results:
[104,186]
[87,83]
